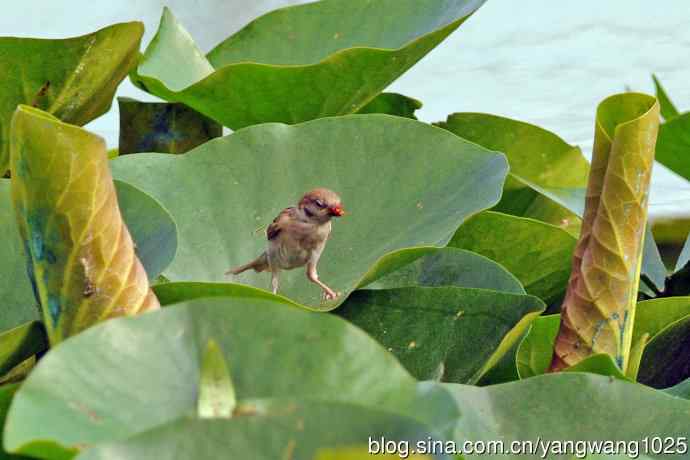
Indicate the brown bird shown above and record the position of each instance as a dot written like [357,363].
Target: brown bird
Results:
[297,237]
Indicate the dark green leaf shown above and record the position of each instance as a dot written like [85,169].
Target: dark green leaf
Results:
[446,333]
[538,254]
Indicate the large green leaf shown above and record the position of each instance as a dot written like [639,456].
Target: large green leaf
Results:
[82,260]
[162,127]
[542,165]
[404,183]
[148,368]
[451,267]
[555,407]
[599,308]
[537,253]
[299,63]
[547,177]
[21,343]
[274,430]
[673,146]
[74,79]
[446,333]
[152,228]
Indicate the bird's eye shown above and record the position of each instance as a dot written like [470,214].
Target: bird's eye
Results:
[320,203]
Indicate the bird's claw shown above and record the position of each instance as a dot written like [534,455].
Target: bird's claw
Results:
[329,295]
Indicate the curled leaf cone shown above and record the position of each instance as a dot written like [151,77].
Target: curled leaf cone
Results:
[599,308]
[81,259]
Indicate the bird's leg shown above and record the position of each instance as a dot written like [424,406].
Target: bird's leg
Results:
[274,281]
[313,276]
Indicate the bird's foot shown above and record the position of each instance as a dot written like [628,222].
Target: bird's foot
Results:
[329,295]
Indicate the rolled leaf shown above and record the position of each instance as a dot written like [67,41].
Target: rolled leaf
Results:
[81,258]
[74,78]
[599,308]
[162,127]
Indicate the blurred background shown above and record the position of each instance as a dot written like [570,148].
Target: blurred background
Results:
[544,62]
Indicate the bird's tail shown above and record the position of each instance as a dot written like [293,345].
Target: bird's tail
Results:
[259,264]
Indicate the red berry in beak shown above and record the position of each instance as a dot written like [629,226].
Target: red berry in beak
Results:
[337,211]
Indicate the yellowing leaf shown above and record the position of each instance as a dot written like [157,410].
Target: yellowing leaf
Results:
[599,308]
[81,258]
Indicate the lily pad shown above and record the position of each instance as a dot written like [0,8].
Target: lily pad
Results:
[74,78]
[274,429]
[445,333]
[82,261]
[537,253]
[218,194]
[162,127]
[554,407]
[528,148]
[299,63]
[272,351]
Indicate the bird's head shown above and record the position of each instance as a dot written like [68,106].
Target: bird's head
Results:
[321,204]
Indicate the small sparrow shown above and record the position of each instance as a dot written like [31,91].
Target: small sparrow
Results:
[297,237]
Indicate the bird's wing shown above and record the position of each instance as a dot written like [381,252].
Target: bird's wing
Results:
[279,223]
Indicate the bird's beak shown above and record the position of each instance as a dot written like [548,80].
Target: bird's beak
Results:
[337,211]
